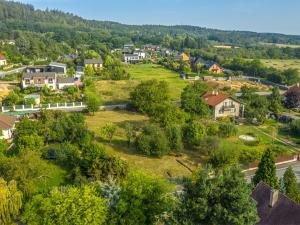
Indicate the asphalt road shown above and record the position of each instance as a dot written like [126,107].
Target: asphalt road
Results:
[280,171]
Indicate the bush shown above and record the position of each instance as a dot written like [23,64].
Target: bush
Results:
[152,142]
[209,145]
[227,130]
[174,135]
[194,131]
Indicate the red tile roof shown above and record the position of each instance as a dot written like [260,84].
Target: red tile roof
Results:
[2,57]
[213,98]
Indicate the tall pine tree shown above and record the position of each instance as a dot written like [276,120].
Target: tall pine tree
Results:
[290,186]
[266,171]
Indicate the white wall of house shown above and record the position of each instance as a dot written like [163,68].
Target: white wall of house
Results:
[228,107]
[3,62]
[47,82]
[65,85]
[6,134]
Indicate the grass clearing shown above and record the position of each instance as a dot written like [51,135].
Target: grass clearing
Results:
[282,64]
[247,152]
[115,92]
[162,167]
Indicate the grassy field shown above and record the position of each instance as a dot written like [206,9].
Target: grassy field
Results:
[281,45]
[246,152]
[156,166]
[118,91]
[282,64]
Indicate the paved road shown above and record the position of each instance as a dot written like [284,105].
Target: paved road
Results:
[280,171]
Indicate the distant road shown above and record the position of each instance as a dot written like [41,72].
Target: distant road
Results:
[262,93]
[279,171]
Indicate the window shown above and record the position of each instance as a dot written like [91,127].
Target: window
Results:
[27,81]
[39,81]
[50,81]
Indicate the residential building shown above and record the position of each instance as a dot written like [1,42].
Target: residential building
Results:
[58,68]
[65,82]
[274,208]
[46,79]
[223,105]
[37,69]
[131,58]
[182,57]
[95,63]
[3,61]
[7,125]
[142,54]
[208,65]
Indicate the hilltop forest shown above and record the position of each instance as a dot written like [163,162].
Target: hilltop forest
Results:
[50,33]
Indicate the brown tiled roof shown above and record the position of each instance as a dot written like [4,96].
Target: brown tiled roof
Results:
[284,212]
[7,122]
[214,98]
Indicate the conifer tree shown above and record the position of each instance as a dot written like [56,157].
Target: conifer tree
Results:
[266,171]
[290,187]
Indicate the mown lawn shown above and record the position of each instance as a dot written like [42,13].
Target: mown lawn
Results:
[114,92]
[163,167]
[246,152]
[282,64]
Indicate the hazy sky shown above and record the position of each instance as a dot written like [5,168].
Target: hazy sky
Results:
[280,16]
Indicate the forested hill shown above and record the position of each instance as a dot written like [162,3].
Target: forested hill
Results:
[22,17]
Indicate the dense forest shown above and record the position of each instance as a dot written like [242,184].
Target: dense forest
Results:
[50,33]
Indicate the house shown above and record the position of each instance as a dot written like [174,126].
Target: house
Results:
[58,68]
[274,208]
[3,61]
[142,54]
[65,82]
[37,69]
[223,105]
[95,63]
[36,97]
[7,125]
[208,65]
[46,79]
[182,57]
[131,58]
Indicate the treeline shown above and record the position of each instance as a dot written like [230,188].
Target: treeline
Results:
[50,33]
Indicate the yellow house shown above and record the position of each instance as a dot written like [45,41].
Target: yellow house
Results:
[95,63]
[182,57]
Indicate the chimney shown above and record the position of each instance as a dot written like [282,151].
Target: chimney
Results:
[274,195]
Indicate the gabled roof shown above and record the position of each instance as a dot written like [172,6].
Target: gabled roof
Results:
[65,80]
[7,122]
[2,57]
[284,212]
[45,75]
[57,64]
[214,98]
[93,61]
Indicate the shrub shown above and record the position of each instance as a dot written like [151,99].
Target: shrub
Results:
[227,130]
[295,127]
[152,142]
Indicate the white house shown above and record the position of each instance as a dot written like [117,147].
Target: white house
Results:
[64,82]
[47,79]
[142,54]
[7,125]
[131,58]
[3,61]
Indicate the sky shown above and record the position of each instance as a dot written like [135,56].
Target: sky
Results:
[276,16]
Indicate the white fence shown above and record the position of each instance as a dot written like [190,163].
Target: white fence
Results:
[73,106]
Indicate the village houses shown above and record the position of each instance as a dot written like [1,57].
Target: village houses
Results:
[7,125]
[183,57]
[208,65]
